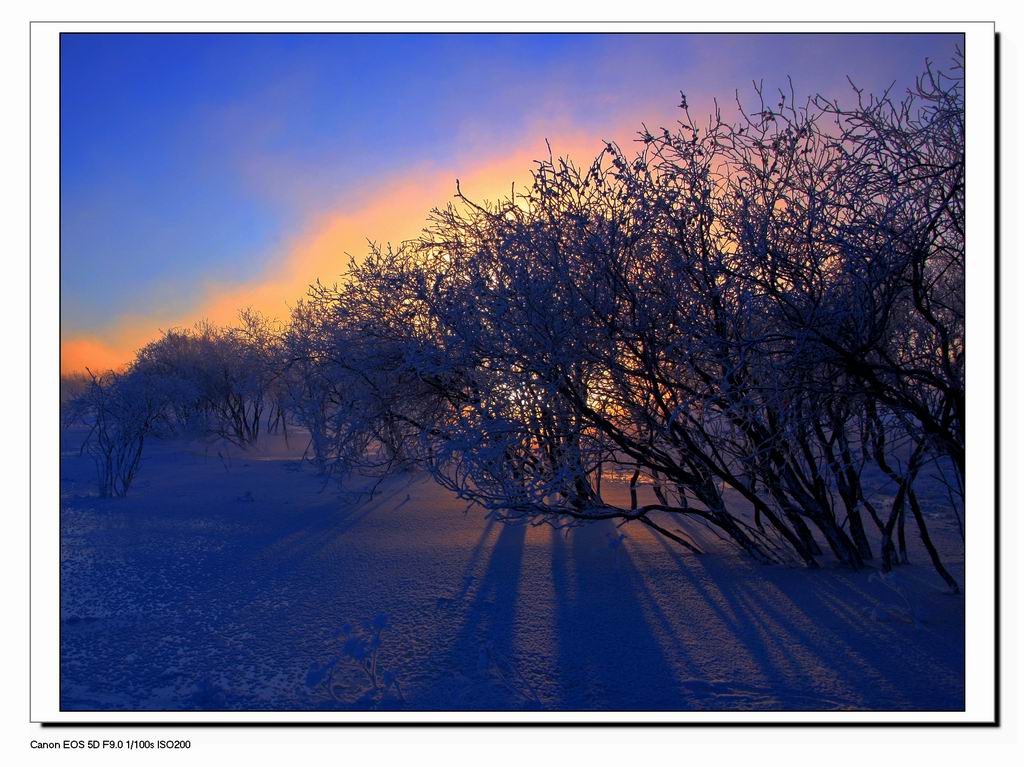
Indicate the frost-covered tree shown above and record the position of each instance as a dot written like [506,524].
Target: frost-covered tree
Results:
[362,372]
[744,310]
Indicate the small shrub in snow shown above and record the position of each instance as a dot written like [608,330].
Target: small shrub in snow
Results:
[356,676]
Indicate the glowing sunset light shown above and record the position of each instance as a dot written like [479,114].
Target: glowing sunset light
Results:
[203,174]
[396,212]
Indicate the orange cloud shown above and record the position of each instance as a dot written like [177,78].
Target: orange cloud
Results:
[77,354]
[391,213]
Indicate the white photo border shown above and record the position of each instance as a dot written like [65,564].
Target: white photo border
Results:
[981,552]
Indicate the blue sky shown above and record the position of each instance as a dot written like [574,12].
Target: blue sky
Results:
[190,164]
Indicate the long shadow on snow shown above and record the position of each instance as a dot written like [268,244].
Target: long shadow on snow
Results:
[614,641]
[820,652]
[481,670]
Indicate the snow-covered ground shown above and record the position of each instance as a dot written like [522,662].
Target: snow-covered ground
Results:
[228,580]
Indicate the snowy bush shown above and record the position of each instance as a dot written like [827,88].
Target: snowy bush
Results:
[356,676]
[216,380]
[766,308]
[121,410]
